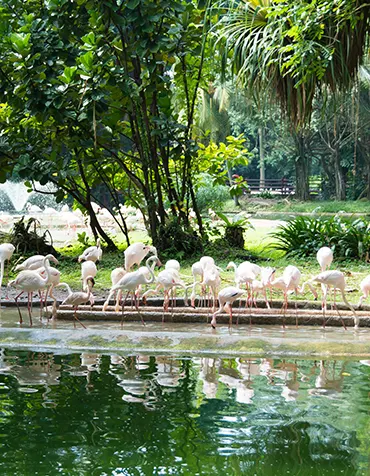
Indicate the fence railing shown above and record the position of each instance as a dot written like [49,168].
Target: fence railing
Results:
[282,186]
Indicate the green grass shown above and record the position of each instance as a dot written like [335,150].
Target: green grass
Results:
[257,245]
[256,204]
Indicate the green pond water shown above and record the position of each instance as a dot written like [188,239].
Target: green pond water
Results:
[86,413]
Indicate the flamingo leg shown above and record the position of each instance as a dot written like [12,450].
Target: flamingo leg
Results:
[77,319]
[19,310]
[323,304]
[41,304]
[296,309]
[138,310]
[230,312]
[29,306]
[356,318]
[335,307]
[7,281]
[123,307]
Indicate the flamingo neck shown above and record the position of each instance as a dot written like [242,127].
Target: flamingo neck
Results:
[47,270]
[150,269]
[68,288]
[2,264]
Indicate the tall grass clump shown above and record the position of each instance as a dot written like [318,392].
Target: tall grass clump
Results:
[303,236]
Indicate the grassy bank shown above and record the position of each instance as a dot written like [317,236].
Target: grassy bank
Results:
[256,204]
[257,249]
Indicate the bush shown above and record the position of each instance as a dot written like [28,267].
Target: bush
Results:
[211,196]
[303,236]
[176,241]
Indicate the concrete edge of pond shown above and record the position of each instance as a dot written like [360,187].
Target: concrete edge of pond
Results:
[158,302]
[303,317]
[318,344]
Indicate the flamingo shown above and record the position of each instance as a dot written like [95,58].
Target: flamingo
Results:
[212,281]
[175,265]
[53,280]
[288,282]
[77,298]
[135,253]
[260,286]
[332,279]
[130,281]
[115,276]
[198,269]
[31,281]
[172,264]
[6,253]
[35,262]
[245,273]
[325,257]
[92,253]
[88,269]
[226,297]
[365,288]
[167,280]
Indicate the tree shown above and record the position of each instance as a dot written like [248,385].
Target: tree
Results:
[106,90]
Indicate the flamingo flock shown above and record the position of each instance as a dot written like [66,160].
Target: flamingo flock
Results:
[37,275]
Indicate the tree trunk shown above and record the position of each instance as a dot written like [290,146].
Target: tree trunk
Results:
[340,182]
[302,191]
[262,157]
[97,229]
[235,198]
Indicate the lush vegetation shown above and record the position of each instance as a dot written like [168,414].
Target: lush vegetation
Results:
[133,102]
[303,236]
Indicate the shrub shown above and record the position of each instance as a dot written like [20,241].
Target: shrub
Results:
[176,241]
[211,196]
[234,230]
[303,236]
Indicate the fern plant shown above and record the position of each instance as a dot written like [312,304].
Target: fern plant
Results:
[234,229]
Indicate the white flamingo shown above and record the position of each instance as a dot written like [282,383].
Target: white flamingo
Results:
[78,298]
[211,281]
[31,281]
[130,281]
[6,253]
[332,279]
[88,269]
[365,288]
[167,280]
[53,280]
[92,253]
[226,297]
[135,253]
[288,282]
[260,286]
[245,274]
[35,262]
[324,257]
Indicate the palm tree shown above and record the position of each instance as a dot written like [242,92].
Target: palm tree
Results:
[291,49]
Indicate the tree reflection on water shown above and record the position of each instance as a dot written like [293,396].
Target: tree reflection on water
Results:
[140,414]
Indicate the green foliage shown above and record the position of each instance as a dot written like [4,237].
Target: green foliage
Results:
[178,241]
[218,159]
[303,236]
[104,94]
[83,238]
[234,229]
[291,48]
[27,238]
[211,196]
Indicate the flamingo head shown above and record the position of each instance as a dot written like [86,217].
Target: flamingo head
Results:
[52,258]
[90,281]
